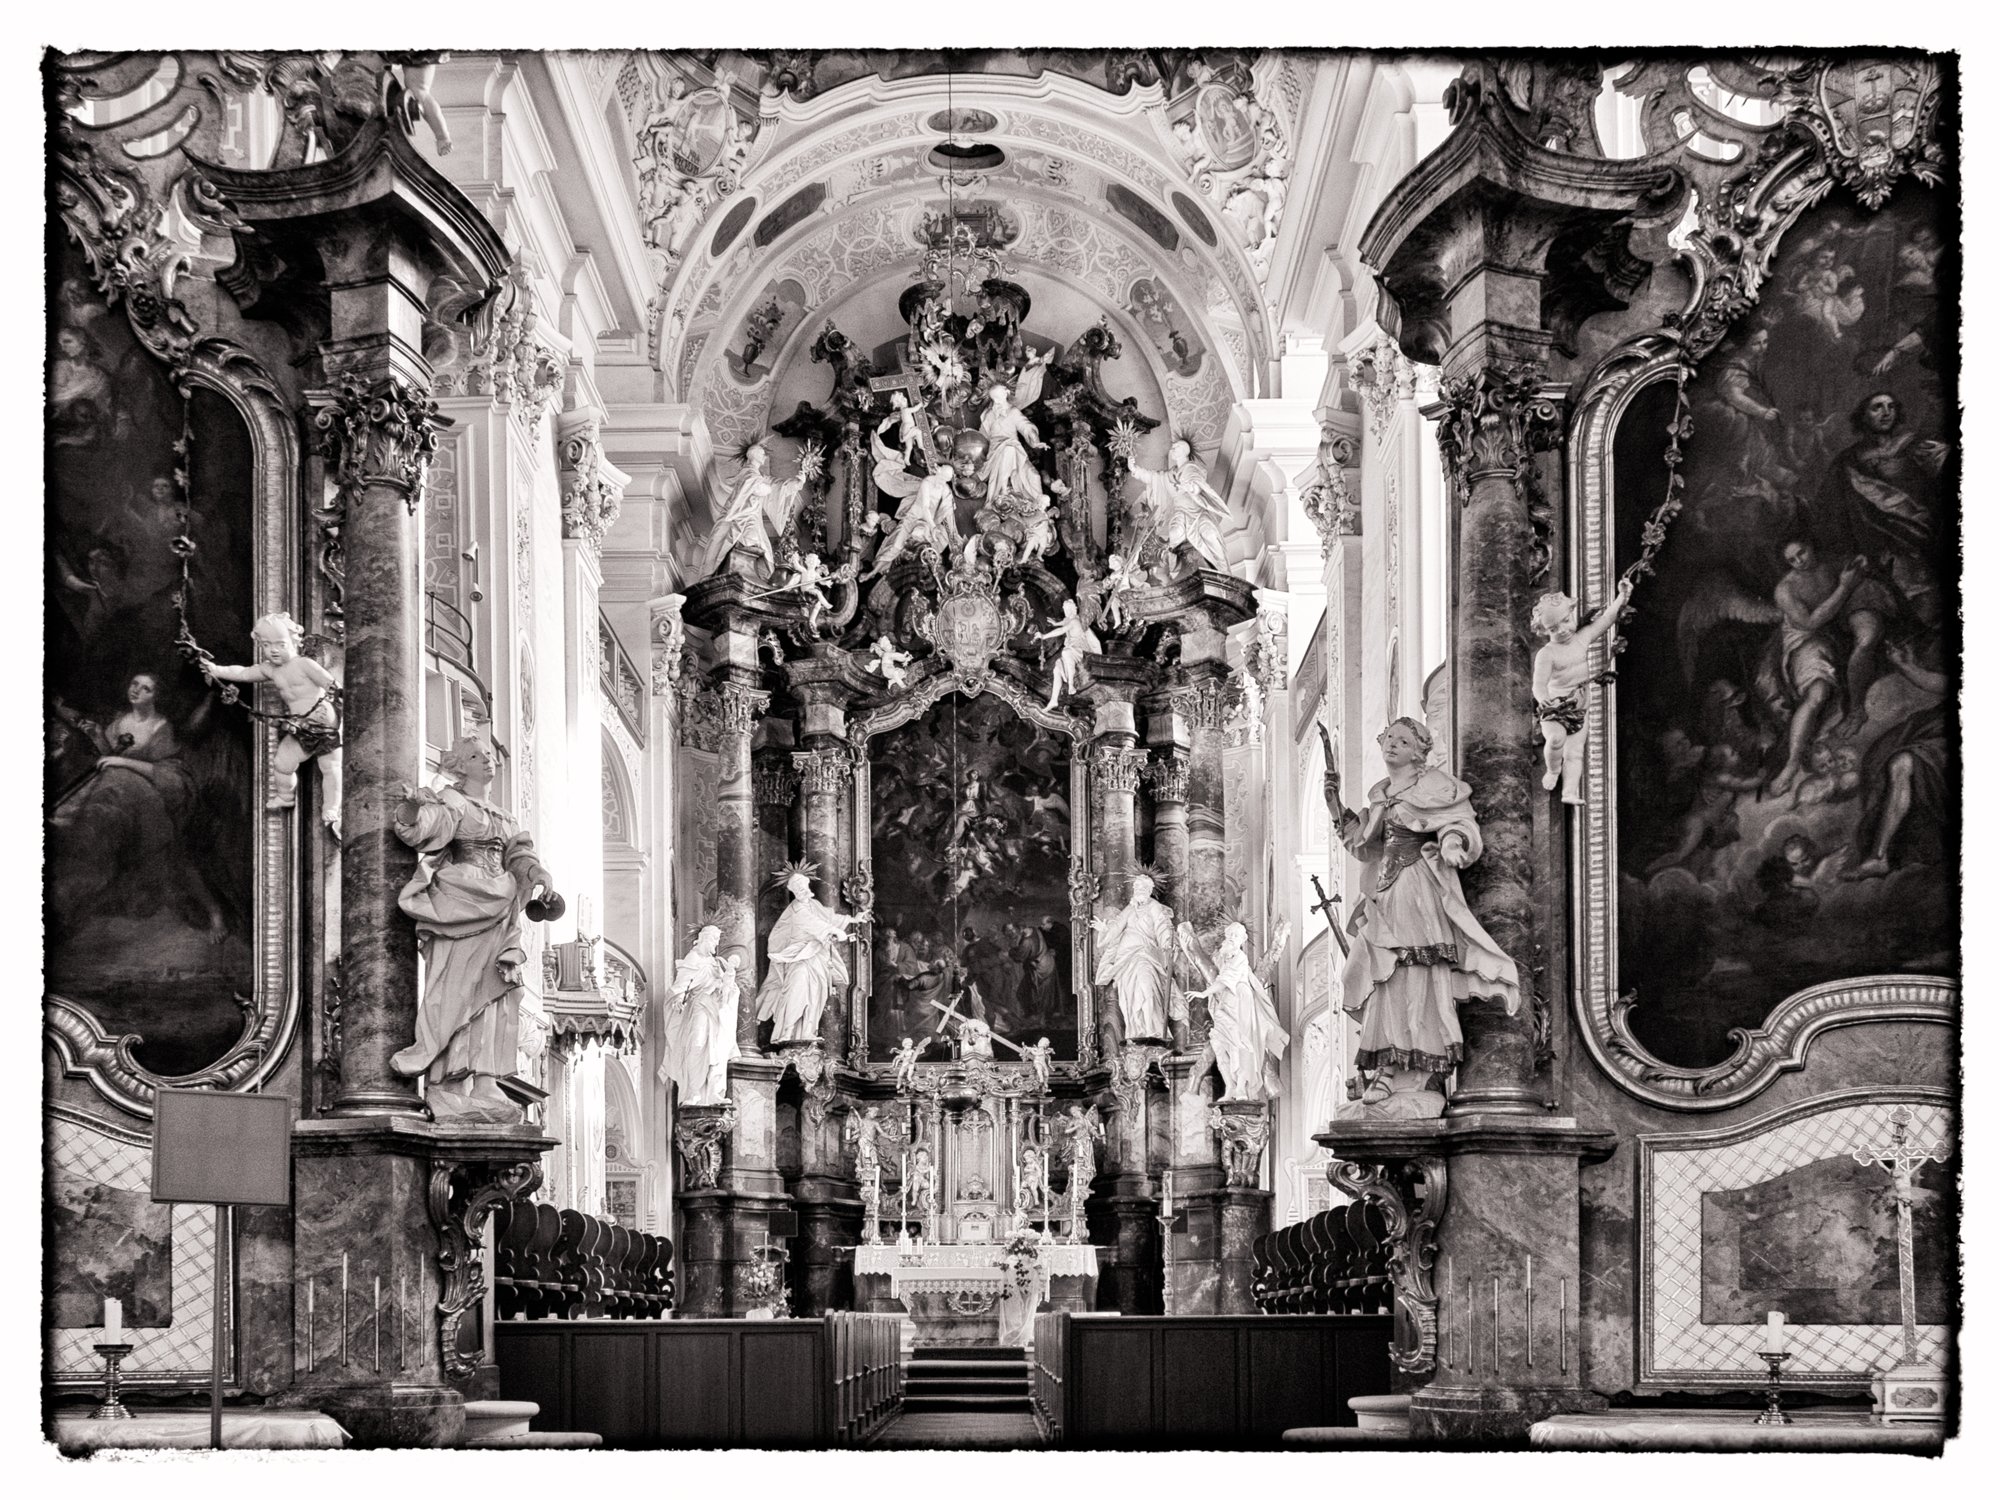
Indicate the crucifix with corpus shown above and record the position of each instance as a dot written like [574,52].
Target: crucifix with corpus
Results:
[911,429]
[975,1037]
[1900,1159]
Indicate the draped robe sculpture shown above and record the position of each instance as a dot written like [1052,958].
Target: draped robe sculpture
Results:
[1135,957]
[806,965]
[700,1029]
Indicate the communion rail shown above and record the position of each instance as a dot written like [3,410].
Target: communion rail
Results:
[1334,1262]
[558,1263]
[1238,1381]
[708,1382]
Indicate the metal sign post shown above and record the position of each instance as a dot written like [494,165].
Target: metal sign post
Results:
[221,1149]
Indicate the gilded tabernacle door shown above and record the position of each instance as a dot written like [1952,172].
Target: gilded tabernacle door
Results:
[971,810]
[1774,848]
[169,508]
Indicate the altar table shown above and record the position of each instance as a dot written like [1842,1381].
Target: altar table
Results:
[79,1433]
[953,1293]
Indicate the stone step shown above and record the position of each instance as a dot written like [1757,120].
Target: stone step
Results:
[1003,1353]
[541,1440]
[967,1403]
[1017,1386]
[966,1366]
[492,1419]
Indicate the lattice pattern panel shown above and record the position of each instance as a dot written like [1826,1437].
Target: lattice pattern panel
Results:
[1678,1347]
[179,1351]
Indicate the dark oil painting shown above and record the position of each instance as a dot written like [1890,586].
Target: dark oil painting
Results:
[1787,742]
[970,843]
[147,775]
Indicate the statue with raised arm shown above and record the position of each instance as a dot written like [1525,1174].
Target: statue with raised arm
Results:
[700,1031]
[1009,435]
[1562,677]
[806,964]
[1135,956]
[1418,952]
[928,515]
[1077,639]
[1245,1038]
[474,879]
[757,500]
[1183,510]
[905,1065]
[309,729]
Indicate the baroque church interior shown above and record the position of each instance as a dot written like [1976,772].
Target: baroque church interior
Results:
[1211,749]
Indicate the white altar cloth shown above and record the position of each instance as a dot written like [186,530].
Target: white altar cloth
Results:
[77,1433]
[951,1268]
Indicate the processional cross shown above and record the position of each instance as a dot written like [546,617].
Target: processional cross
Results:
[951,1014]
[1901,1160]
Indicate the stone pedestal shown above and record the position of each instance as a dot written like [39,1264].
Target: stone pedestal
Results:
[402,1204]
[1483,1217]
[731,1186]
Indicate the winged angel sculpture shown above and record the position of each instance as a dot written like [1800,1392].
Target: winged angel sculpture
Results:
[1245,1037]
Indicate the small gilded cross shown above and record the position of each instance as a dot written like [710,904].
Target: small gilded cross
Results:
[1901,1160]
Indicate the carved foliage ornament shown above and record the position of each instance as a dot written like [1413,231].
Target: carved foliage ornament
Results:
[1243,1136]
[1327,500]
[1495,422]
[461,1196]
[379,435]
[1411,1221]
[592,490]
[699,1135]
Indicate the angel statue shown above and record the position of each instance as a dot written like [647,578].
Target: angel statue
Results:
[1009,436]
[309,729]
[808,576]
[473,881]
[1135,954]
[909,428]
[756,500]
[891,662]
[700,1029]
[1418,952]
[1562,675]
[1121,576]
[1039,1056]
[1031,1185]
[1083,1130]
[1245,1039]
[928,515]
[1183,509]
[806,963]
[1077,638]
[905,1064]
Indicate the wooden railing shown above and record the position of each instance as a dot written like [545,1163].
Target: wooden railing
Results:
[1334,1262]
[1045,1378]
[558,1263]
[867,1360]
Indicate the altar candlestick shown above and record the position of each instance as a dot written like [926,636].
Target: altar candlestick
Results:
[114,1321]
[309,1325]
[1444,1305]
[1562,1326]
[343,1307]
[378,1325]
[1496,1325]
[1167,1208]
[1774,1333]
[402,1327]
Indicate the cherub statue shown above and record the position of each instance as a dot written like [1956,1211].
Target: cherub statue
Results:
[309,729]
[1121,574]
[1245,1037]
[909,427]
[1077,638]
[810,576]
[1031,1184]
[1039,1056]
[892,663]
[905,1062]
[1562,674]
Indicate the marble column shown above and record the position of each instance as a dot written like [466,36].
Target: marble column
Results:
[736,838]
[1168,774]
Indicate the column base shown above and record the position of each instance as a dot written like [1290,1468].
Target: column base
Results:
[1486,1413]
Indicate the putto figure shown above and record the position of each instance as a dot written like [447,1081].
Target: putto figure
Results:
[310,726]
[1077,638]
[476,876]
[1135,956]
[806,963]
[1562,675]
[1418,952]
[700,1029]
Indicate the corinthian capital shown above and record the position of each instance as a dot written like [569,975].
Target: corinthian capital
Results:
[823,771]
[379,434]
[592,490]
[1495,421]
[1118,768]
[740,708]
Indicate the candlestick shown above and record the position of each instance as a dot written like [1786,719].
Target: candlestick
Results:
[111,1351]
[1562,1326]
[343,1307]
[1773,1414]
[1774,1333]
[1496,1325]
[1528,1315]
[309,1325]
[378,1325]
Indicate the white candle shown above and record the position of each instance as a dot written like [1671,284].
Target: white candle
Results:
[114,1320]
[1774,1333]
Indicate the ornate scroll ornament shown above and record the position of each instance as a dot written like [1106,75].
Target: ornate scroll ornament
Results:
[823,772]
[1134,1060]
[971,623]
[1169,774]
[461,1196]
[1084,885]
[379,434]
[592,490]
[816,1075]
[741,707]
[1327,500]
[1411,1220]
[698,1136]
[1117,768]
[1872,117]
[1243,1135]
[512,362]
[1386,378]
[858,889]
[669,638]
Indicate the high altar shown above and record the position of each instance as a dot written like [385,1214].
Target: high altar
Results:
[968,676]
